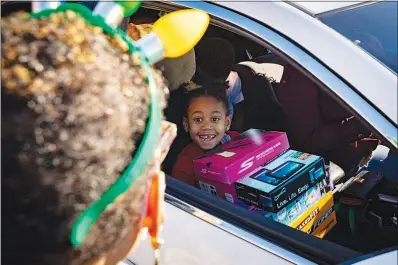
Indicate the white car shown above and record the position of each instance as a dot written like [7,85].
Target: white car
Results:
[334,43]
[202,229]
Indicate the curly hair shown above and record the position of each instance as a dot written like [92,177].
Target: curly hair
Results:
[214,90]
[74,108]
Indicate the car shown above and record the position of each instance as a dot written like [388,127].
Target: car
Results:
[332,43]
[202,229]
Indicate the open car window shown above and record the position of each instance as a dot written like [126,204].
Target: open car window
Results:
[338,244]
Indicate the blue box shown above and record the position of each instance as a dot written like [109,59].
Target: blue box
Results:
[297,207]
[300,205]
[284,179]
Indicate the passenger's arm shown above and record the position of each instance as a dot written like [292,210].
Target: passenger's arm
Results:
[307,128]
[236,96]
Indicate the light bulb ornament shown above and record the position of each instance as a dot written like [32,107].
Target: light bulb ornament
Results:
[150,50]
[174,34]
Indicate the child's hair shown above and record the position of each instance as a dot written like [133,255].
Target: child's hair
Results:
[215,59]
[216,91]
[74,108]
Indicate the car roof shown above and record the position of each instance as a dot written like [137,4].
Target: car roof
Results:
[321,6]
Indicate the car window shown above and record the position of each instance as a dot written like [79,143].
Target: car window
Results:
[372,27]
[225,193]
[264,64]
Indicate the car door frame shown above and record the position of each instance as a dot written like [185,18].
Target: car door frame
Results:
[296,55]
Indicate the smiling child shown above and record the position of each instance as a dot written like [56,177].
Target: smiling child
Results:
[207,121]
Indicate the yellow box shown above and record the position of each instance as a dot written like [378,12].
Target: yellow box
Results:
[325,226]
[313,218]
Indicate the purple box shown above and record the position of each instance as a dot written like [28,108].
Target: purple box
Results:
[224,191]
[218,169]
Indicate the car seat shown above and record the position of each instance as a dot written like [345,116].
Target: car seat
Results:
[336,173]
[262,109]
[179,70]
[270,58]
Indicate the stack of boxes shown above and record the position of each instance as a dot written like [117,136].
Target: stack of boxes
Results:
[218,170]
[258,171]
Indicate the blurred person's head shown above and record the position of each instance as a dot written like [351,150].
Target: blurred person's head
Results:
[215,59]
[74,110]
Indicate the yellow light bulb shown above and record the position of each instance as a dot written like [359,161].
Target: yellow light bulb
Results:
[181,30]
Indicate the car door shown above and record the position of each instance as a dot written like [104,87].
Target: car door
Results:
[201,229]
[389,256]
[195,237]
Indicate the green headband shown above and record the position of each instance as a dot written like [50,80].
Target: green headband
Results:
[148,144]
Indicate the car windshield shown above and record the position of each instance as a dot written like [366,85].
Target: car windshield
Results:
[373,27]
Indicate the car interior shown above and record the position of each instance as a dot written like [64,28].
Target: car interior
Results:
[358,230]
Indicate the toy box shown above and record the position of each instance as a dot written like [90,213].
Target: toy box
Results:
[273,186]
[218,169]
[316,220]
[224,191]
[325,224]
[298,206]
[313,217]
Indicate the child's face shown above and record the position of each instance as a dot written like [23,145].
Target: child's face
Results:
[206,122]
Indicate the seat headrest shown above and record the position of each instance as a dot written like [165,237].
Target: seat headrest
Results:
[274,71]
[179,70]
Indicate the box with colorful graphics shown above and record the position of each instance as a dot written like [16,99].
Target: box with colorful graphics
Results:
[313,217]
[317,220]
[297,207]
[323,226]
[275,185]
[218,169]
